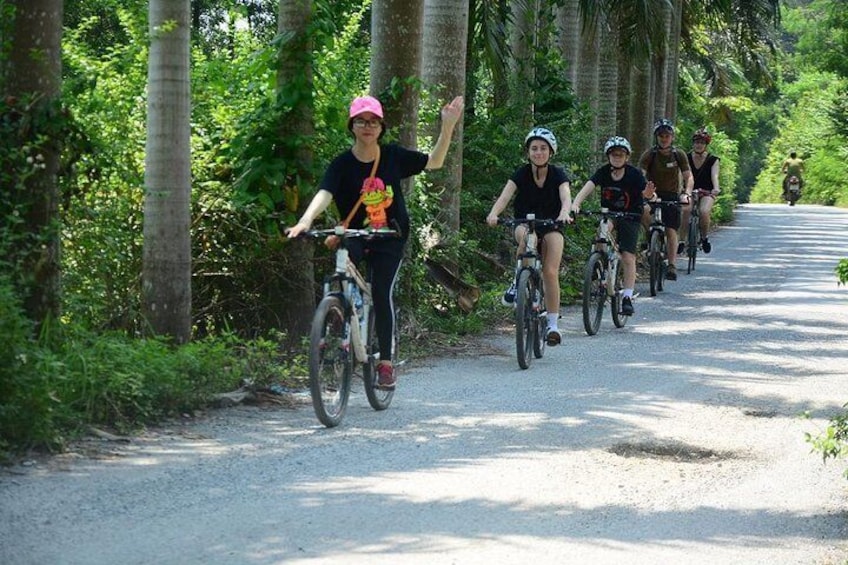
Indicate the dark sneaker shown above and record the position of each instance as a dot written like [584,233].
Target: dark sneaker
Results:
[680,247]
[553,337]
[671,273]
[508,298]
[706,245]
[627,306]
[385,377]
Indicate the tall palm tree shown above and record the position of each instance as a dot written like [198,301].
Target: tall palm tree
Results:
[31,75]
[166,270]
[443,71]
[396,40]
[291,296]
[523,46]
[568,25]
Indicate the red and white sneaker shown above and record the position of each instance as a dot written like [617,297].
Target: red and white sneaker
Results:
[386,377]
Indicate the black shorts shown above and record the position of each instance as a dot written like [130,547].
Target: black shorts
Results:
[671,214]
[627,234]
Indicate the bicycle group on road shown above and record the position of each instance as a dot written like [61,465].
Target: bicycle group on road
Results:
[664,180]
[364,184]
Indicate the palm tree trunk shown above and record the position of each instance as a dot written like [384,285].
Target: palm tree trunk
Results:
[291,298]
[523,43]
[443,70]
[589,57]
[166,271]
[674,60]
[607,87]
[31,77]
[568,24]
[661,66]
[396,38]
[642,107]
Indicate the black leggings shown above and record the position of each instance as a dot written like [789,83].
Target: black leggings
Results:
[383,259]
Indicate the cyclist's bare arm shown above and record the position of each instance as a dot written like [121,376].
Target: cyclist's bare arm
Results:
[501,203]
[584,193]
[451,114]
[688,183]
[565,198]
[319,203]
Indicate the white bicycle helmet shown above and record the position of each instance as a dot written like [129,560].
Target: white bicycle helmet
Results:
[544,134]
[617,141]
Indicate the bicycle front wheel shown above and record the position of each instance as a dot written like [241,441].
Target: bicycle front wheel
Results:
[541,327]
[378,398]
[330,361]
[525,319]
[615,305]
[692,242]
[655,260]
[594,293]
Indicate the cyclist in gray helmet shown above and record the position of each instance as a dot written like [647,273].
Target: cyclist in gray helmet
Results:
[623,189]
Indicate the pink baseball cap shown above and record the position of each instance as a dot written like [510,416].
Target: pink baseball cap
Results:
[364,104]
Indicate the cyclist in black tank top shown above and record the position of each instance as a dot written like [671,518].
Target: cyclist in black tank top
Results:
[705,170]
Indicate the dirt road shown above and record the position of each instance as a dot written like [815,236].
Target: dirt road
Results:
[674,440]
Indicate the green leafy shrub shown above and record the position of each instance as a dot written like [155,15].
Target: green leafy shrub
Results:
[27,404]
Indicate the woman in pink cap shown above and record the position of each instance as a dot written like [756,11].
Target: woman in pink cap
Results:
[349,178]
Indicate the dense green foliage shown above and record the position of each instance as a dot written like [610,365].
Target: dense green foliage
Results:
[811,112]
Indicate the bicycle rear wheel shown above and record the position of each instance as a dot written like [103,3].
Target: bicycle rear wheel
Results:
[378,398]
[594,293]
[330,361]
[655,261]
[692,242]
[618,318]
[525,319]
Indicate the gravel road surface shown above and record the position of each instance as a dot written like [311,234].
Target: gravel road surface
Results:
[677,439]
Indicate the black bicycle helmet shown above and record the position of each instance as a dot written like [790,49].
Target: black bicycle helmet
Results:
[663,124]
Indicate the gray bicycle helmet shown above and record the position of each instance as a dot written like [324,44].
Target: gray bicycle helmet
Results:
[544,134]
[617,141]
[663,124]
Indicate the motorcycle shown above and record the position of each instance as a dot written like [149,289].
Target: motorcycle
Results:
[792,191]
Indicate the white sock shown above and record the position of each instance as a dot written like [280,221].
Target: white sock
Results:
[628,292]
[552,321]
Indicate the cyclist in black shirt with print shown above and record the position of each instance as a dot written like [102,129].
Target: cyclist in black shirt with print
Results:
[623,189]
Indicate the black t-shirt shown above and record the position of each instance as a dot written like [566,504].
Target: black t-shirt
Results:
[346,175]
[623,195]
[543,201]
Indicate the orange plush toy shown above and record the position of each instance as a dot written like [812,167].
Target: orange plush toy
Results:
[377,198]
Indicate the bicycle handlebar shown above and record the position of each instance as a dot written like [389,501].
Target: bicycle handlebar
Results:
[348,233]
[610,213]
[664,204]
[536,222]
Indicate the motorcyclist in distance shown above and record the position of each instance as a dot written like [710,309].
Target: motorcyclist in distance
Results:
[792,166]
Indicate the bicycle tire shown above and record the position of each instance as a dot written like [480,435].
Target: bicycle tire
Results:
[692,242]
[655,261]
[378,398]
[330,361]
[615,301]
[525,323]
[594,293]
[541,321]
